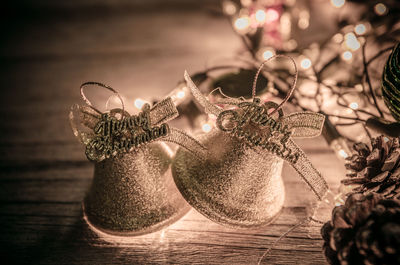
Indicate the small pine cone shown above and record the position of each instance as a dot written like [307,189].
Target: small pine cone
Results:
[365,230]
[376,169]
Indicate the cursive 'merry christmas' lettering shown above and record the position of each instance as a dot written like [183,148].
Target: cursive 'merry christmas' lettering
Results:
[113,136]
[273,135]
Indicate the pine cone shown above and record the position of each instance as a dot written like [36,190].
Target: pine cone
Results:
[365,230]
[376,170]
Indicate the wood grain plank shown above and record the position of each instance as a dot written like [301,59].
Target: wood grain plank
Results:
[180,242]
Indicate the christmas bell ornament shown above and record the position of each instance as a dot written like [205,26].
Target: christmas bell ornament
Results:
[133,191]
[238,183]
[234,184]
[391,83]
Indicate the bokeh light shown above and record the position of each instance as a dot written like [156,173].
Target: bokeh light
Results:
[229,8]
[351,41]
[343,153]
[181,94]
[305,63]
[272,15]
[338,38]
[268,53]
[380,9]
[242,23]
[338,3]
[139,103]
[353,105]
[347,55]
[360,29]
[206,127]
[260,16]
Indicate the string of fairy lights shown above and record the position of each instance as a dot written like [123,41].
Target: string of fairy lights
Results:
[336,76]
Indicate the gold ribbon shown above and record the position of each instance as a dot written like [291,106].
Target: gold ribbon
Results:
[86,119]
[302,124]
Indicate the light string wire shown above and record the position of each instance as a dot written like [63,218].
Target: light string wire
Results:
[281,85]
[284,235]
[267,252]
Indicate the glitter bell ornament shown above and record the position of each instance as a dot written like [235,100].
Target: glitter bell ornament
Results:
[133,191]
[234,185]
[238,183]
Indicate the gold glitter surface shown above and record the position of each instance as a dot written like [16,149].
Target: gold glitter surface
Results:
[234,185]
[134,193]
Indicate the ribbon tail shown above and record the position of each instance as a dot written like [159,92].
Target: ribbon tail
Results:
[186,141]
[304,124]
[82,119]
[232,102]
[163,111]
[308,172]
[203,101]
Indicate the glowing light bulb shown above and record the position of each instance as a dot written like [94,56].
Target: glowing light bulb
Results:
[212,117]
[290,2]
[285,26]
[343,153]
[338,3]
[261,16]
[338,37]
[360,29]
[350,35]
[348,111]
[305,63]
[347,55]
[304,19]
[181,94]
[268,53]
[246,2]
[139,103]
[341,148]
[242,23]
[351,41]
[290,44]
[380,9]
[272,15]
[229,7]
[358,87]
[303,23]
[353,105]
[206,127]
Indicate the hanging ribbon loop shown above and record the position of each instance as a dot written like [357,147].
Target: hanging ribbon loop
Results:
[292,87]
[87,101]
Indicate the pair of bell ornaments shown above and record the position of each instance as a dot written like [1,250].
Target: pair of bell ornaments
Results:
[231,175]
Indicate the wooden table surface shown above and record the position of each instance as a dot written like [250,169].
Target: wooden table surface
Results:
[142,51]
